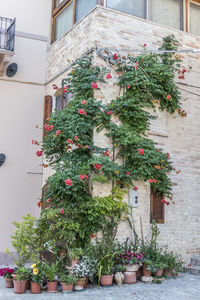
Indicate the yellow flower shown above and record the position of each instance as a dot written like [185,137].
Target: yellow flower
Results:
[35,271]
[33,266]
[116,172]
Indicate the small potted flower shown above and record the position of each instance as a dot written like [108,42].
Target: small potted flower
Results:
[37,277]
[51,273]
[67,282]
[20,280]
[91,265]
[106,270]
[148,266]
[7,274]
[81,271]
[75,254]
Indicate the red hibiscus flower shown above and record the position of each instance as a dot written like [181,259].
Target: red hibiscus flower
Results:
[86,177]
[84,102]
[68,182]
[115,56]
[39,153]
[135,188]
[82,177]
[62,211]
[167,203]
[92,236]
[97,166]
[34,142]
[141,151]
[39,204]
[82,112]
[109,76]
[128,86]
[128,173]
[109,112]
[48,200]
[57,132]
[76,138]
[94,85]
[145,45]
[168,97]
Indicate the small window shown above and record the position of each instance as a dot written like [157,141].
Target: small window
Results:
[83,7]
[134,7]
[194,18]
[63,21]
[156,208]
[169,13]
[62,100]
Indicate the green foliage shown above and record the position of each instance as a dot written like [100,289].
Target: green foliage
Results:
[67,278]
[22,273]
[25,240]
[38,272]
[76,253]
[51,271]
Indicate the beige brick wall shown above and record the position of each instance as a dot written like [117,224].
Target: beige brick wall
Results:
[178,136]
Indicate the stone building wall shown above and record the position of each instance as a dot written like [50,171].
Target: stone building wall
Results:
[178,136]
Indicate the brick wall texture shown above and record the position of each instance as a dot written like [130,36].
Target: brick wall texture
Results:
[178,136]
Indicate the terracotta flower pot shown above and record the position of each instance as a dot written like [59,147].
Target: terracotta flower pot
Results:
[52,286]
[168,273]
[67,288]
[74,262]
[19,287]
[86,283]
[132,268]
[130,277]
[146,273]
[35,288]
[159,273]
[79,286]
[9,282]
[107,280]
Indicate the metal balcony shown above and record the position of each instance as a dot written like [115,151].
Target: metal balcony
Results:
[7,34]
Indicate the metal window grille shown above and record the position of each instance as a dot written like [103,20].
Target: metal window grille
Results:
[7,34]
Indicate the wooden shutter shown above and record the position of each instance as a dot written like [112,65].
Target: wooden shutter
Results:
[156,208]
[47,110]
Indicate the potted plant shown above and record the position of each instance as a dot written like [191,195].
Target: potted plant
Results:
[50,273]
[37,277]
[81,271]
[67,282]
[91,265]
[147,267]
[105,270]
[20,281]
[173,264]
[75,254]
[7,274]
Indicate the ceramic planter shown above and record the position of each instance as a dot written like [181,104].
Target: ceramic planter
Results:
[52,286]
[9,282]
[146,273]
[159,273]
[19,286]
[107,280]
[119,278]
[79,286]
[67,288]
[130,277]
[132,268]
[74,262]
[35,288]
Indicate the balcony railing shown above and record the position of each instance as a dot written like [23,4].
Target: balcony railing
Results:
[7,34]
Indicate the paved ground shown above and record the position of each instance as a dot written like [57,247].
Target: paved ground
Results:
[185,287]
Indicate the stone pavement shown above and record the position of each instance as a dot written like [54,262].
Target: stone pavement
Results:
[185,287]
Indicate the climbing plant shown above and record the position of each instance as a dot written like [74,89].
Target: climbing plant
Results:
[146,81]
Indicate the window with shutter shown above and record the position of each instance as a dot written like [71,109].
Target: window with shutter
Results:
[156,208]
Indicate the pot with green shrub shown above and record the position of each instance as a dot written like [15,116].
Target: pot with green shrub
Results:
[67,282]
[148,266]
[50,274]
[106,270]
[20,280]
[7,274]
[173,264]
[75,255]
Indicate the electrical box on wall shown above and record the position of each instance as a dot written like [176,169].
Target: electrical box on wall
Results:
[133,197]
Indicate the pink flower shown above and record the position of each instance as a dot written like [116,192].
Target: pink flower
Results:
[48,127]
[68,141]
[97,166]
[62,211]
[168,97]
[57,132]
[167,203]
[145,45]
[84,102]
[48,200]
[141,151]
[82,112]
[82,177]
[109,76]
[150,180]
[86,177]
[109,112]
[68,182]
[39,153]
[115,56]
[154,180]
[128,86]
[76,138]
[127,173]
[94,85]
[135,188]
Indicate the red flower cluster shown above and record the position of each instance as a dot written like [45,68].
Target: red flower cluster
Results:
[62,211]
[69,141]
[84,102]
[128,173]
[94,85]
[115,56]
[152,180]
[135,188]
[54,86]
[48,127]
[141,151]
[34,142]
[5,271]
[68,182]
[128,86]
[106,153]
[109,76]
[165,202]
[76,138]
[65,88]
[82,177]
[109,112]
[97,166]
[48,200]
[39,153]
[82,112]
[57,132]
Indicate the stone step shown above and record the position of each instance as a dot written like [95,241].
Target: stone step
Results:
[195,261]
[195,270]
